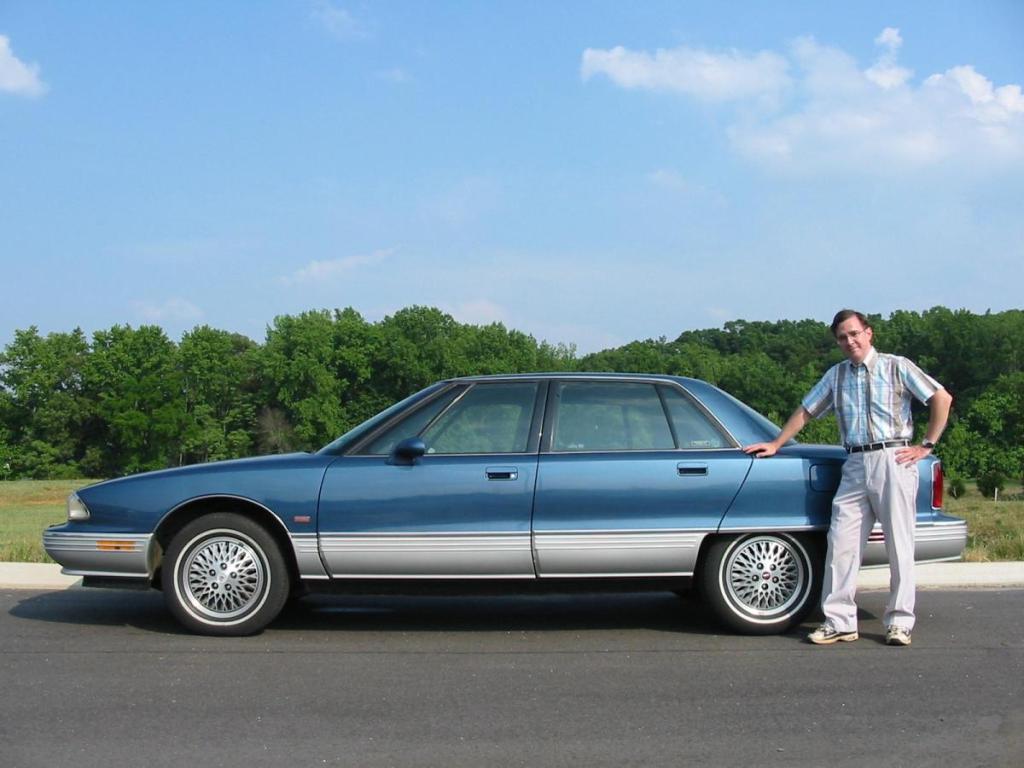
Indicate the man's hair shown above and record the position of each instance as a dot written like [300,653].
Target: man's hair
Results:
[845,314]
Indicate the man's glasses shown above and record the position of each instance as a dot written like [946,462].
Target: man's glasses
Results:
[851,336]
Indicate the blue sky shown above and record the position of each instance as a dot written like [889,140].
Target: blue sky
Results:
[587,172]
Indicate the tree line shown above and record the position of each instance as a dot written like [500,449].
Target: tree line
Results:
[131,399]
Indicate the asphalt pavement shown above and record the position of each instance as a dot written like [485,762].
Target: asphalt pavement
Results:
[106,678]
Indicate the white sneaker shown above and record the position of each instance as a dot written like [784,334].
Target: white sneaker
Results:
[826,634]
[897,636]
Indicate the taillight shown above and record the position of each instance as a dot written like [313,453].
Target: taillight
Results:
[937,482]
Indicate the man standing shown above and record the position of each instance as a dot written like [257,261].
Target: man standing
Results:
[870,393]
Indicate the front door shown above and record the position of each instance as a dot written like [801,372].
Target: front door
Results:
[460,511]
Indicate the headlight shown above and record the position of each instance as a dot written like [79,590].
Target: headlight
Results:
[76,508]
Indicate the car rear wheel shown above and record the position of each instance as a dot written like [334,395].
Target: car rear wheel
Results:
[762,583]
[224,575]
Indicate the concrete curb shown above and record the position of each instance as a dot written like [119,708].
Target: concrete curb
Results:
[47,576]
[951,576]
[35,576]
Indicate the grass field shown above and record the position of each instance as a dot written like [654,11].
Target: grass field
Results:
[28,506]
[995,530]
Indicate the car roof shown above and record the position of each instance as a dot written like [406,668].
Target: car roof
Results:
[576,375]
[744,424]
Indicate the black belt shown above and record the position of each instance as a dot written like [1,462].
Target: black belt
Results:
[877,446]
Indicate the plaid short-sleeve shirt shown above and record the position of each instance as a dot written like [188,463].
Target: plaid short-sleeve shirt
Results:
[872,399]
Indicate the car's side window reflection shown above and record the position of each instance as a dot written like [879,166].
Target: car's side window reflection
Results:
[490,418]
[411,425]
[693,428]
[610,417]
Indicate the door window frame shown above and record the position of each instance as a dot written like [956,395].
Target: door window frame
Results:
[551,417]
[536,419]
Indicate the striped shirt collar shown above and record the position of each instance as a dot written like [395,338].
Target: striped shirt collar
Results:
[869,361]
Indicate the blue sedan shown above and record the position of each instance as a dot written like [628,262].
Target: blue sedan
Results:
[550,482]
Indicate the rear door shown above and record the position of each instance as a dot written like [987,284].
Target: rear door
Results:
[632,476]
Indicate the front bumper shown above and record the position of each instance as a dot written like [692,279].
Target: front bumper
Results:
[100,554]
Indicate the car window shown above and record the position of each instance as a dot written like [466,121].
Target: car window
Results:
[489,418]
[694,430]
[598,416]
[411,425]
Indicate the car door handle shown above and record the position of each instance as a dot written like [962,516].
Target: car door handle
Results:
[503,473]
[688,468]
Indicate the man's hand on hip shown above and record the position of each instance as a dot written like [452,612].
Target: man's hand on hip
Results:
[911,454]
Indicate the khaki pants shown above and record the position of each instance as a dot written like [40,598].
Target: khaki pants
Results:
[873,487]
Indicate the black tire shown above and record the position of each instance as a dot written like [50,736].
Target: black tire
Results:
[762,583]
[224,574]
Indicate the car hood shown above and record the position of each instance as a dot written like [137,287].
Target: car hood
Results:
[288,485]
[255,463]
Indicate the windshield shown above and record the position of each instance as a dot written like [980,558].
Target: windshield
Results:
[337,446]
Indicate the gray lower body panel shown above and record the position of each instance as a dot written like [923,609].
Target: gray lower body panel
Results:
[101,554]
[617,553]
[307,556]
[428,555]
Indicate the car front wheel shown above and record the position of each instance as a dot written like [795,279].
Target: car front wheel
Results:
[762,583]
[224,574]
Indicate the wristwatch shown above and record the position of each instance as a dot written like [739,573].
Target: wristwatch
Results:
[928,444]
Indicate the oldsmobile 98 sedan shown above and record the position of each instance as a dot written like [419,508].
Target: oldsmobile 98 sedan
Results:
[554,482]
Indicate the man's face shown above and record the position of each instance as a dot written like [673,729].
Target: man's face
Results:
[854,339]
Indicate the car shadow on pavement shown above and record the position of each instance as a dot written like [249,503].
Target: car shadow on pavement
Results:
[140,609]
[145,610]
[650,611]
[658,611]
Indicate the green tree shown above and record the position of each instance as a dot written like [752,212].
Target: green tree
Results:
[316,371]
[44,408]
[135,383]
[220,383]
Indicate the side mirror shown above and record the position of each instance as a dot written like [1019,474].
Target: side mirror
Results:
[407,451]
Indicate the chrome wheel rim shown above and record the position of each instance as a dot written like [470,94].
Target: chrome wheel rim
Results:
[766,577]
[224,577]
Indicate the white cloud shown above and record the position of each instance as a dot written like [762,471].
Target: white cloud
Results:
[175,310]
[16,76]
[988,103]
[339,22]
[887,76]
[885,73]
[889,38]
[831,113]
[701,74]
[331,269]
